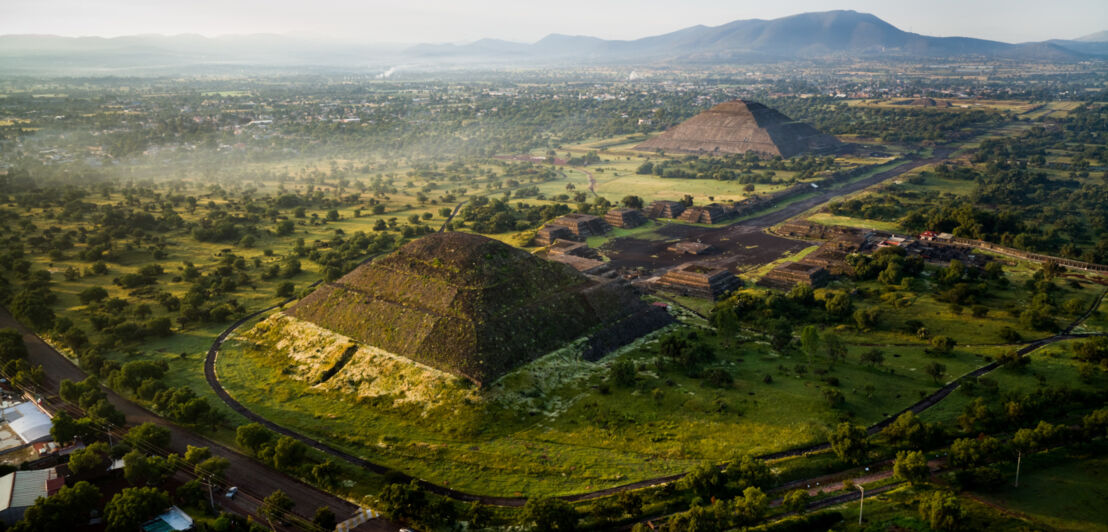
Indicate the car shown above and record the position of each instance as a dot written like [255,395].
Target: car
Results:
[232,491]
[406,530]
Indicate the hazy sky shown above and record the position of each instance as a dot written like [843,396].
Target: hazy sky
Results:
[409,21]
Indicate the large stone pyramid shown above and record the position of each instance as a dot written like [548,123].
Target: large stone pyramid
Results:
[476,307]
[741,126]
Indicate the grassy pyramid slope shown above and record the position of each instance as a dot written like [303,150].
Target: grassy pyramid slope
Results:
[476,307]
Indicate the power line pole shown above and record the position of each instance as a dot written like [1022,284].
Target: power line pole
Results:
[211,499]
[1019,458]
[861,504]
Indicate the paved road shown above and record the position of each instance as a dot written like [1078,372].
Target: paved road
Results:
[255,481]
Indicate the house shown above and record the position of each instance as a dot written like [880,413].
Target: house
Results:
[19,490]
[174,519]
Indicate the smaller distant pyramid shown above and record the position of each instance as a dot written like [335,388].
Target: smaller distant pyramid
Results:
[742,126]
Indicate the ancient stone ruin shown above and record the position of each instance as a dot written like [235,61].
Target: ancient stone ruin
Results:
[625,218]
[742,126]
[698,280]
[573,226]
[477,307]
[665,209]
[579,256]
[790,274]
[712,213]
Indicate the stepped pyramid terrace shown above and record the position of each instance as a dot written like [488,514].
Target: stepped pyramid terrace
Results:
[476,307]
[742,126]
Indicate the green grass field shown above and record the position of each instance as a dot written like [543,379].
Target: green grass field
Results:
[1058,493]
[557,426]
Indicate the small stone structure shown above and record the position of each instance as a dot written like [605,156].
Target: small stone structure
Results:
[790,274]
[712,213]
[548,234]
[576,249]
[698,280]
[625,218]
[582,225]
[691,248]
[665,209]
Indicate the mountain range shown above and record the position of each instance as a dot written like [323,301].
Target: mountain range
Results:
[803,36]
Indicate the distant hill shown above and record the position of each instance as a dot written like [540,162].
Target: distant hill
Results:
[803,36]
[1100,36]
[807,35]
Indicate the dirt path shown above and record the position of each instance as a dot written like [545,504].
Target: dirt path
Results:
[254,480]
[453,213]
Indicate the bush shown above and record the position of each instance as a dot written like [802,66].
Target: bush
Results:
[816,521]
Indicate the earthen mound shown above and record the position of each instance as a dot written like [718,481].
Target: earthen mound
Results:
[476,307]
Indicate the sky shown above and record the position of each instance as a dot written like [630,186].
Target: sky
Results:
[412,21]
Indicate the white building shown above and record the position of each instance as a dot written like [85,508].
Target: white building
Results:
[28,422]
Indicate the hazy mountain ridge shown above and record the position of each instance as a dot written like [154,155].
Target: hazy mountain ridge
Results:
[802,36]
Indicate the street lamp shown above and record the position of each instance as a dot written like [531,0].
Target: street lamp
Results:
[861,504]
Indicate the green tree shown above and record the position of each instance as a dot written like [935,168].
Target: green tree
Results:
[935,370]
[849,442]
[749,508]
[324,518]
[68,509]
[92,294]
[795,501]
[288,453]
[745,471]
[276,506]
[12,346]
[90,459]
[839,306]
[911,466]
[549,515]
[130,508]
[195,455]
[402,500]
[907,431]
[941,510]
[810,341]
[252,437]
[140,469]
[286,289]
[1096,423]
[31,307]
[873,357]
[622,372]
[836,349]
[631,202]
[941,346]
[149,437]
[706,481]
[215,467]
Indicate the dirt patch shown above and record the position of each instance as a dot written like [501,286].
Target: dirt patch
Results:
[734,247]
